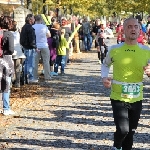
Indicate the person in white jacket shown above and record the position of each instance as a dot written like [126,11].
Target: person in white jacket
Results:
[18,56]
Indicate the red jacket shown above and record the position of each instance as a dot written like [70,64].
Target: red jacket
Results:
[119,30]
[141,37]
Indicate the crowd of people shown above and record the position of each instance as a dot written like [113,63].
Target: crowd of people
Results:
[24,47]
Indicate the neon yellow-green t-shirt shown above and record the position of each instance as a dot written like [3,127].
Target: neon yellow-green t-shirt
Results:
[128,62]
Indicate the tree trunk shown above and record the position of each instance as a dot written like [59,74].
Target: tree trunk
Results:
[29,5]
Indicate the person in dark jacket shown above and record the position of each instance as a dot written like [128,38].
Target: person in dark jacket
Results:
[6,65]
[53,49]
[28,42]
[95,29]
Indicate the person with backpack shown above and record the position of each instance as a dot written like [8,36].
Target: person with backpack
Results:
[42,33]
[86,28]
[6,63]
[53,43]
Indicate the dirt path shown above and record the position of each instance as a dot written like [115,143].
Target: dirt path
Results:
[72,112]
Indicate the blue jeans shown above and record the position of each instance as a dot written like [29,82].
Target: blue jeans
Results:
[5,97]
[87,41]
[60,60]
[29,62]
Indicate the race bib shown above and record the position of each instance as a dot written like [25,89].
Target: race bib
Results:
[130,90]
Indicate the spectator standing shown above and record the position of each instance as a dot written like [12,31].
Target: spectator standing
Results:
[86,27]
[28,42]
[55,33]
[7,45]
[19,56]
[101,45]
[81,36]
[42,33]
[95,31]
[61,53]
[68,32]
[119,31]
[143,25]
[141,39]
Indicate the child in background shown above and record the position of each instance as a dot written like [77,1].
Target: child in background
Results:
[61,53]
[102,42]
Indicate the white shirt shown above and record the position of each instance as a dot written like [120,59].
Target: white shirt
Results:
[40,32]
[17,46]
[109,33]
